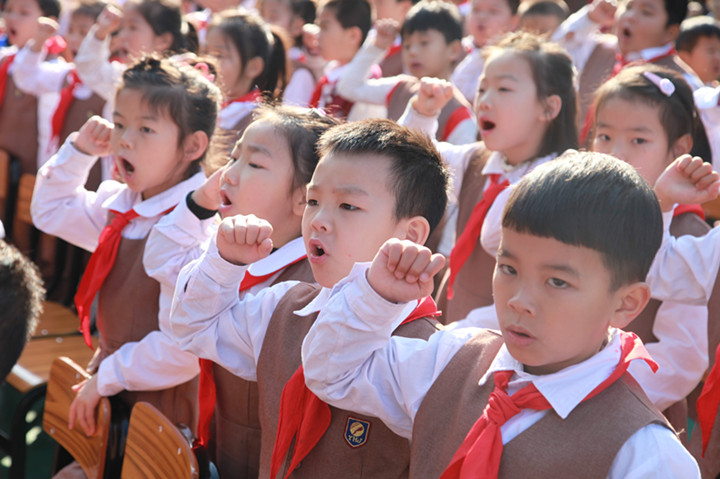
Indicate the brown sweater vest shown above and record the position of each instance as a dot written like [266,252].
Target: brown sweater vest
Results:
[392,65]
[473,283]
[237,419]
[378,454]
[582,445]
[407,88]
[18,126]
[598,68]
[78,113]
[128,311]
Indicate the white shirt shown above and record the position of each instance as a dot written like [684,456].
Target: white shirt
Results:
[61,206]
[352,362]
[467,73]
[95,68]
[360,109]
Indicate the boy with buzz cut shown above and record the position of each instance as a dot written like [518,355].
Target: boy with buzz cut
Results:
[375,181]
[343,27]
[431,46]
[549,391]
[698,44]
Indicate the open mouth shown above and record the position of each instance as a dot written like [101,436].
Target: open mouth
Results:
[127,166]
[224,198]
[486,125]
[626,32]
[316,249]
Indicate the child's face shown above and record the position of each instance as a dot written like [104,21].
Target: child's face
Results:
[510,117]
[489,19]
[21,20]
[229,64]
[349,214]
[540,24]
[632,132]
[427,54]
[393,9]
[145,145]
[334,41]
[277,12]
[136,37]
[258,181]
[77,29]
[554,301]
[641,24]
[704,59]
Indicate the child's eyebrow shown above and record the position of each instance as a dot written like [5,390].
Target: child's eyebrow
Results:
[642,128]
[350,190]
[258,149]
[563,268]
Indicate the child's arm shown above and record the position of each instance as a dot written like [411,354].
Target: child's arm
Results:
[180,236]
[32,74]
[207,318]
[93,58]
[578,33]
[354,83]
[61,205]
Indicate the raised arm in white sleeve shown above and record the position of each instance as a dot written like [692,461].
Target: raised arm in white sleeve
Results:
[35,76]
[95,68]
[354,83]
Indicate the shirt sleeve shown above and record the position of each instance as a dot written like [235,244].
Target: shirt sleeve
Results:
[208,319]
[351,361]
[464,132]
[95,68]
[35,76]
[578,35]
[354,83]
[61,206]
[653,452]
[300,88]
[681,353]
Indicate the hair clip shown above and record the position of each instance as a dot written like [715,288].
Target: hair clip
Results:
[666,86]
[204,70]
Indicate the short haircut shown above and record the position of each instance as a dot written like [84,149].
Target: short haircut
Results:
[418,177]
[89,8]
[676,10]
[594,201]
[21,296]
[437,15]
[50,8]
[351,13]
[557,8]
[692,29]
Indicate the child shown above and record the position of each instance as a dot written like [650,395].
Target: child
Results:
[698,45]
[21,293]
[344,25]
[431,35]
[526,112]
[18,110]
[564,282]
[164,117]
[487,21]
[373,177]
[252,64]
[270,167]
[395,10]
[542,17]
[291,16]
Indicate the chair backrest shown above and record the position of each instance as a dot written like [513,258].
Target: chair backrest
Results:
[89,452]
[22,222]
[155,448]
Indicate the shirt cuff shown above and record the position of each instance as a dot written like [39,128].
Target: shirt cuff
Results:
[185,228]
[222,272]
[108,381]
[72,160]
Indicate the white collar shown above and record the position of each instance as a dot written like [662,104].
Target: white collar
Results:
[650,53]
[496,164]
[282,257]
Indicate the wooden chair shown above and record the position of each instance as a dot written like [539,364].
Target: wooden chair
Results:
[712,209]
[155,448]
[89,452]
[4,185]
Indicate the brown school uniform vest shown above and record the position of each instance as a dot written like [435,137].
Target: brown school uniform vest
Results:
[237,421]
[598,68]
[128,311]
[582,445]
[377,453]
[392,65]
[78,113]
[18,126]
[407,88]
[473,283]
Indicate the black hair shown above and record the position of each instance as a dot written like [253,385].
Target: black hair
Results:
[573,200]
[676,11]
[351,13]
[182,92]
[89,8]
[434,15]
[418,177]
[692,29]
[21,297]
[557,8]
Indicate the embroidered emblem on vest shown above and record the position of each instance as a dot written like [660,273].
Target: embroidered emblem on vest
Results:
[356,432]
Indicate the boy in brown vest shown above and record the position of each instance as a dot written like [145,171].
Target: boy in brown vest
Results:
[551,391]
[375,181]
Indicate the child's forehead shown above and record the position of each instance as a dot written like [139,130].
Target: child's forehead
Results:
[360,169]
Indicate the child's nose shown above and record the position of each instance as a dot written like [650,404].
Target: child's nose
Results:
[521,302]
[321,221]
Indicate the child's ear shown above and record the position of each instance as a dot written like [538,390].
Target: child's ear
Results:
[298,200]
[682,145]
[355,34]
[415,229]
[671,32]
[455,50]
[552,106]
[632,300]
[195,145]
[254,67]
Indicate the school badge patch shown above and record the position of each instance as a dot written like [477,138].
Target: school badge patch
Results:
[356,432]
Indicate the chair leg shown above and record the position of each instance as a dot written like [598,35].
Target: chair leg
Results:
[18,429]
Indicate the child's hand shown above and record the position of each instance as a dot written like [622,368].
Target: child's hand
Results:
[94,137]
[403,271]
[107,22]
[433,95]
[602,12]
[208,195]
[244,239]
[687,180]
[387,30]
[46,28]
[82,409]
[310,38]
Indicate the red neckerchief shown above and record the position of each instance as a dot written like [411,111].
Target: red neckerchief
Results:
[250,97]
[4,67]
[694,208]
[66,99]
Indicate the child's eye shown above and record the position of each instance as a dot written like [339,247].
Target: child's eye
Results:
[506,269]
[557,283]
[118,126]
[348,207]
[639,141]
[254,165]
[145,129]
[311,202]
[602,137]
